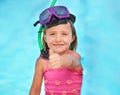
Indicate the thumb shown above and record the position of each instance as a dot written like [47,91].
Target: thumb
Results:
[51,52]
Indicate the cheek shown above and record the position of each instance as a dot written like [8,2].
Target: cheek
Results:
[49,41]
[68,40]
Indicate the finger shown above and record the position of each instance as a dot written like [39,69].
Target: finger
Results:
[55,65]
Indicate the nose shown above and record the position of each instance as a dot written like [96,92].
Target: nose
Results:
[58,37]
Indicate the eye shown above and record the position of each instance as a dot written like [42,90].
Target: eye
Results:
[52,34]
[64,34]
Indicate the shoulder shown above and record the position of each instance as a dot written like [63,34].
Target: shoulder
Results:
[40,64]
[75,54]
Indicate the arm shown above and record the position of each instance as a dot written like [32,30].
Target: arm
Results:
[73,60]
[70,60]
[38,76]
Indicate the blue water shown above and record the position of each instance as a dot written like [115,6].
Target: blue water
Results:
[98,30]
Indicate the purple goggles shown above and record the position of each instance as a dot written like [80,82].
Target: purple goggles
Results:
[58,11]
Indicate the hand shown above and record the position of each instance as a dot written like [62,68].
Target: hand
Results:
[54,60]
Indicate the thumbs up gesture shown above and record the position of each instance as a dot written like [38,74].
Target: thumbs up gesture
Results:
[54,60]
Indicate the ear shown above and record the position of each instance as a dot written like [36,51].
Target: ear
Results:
[73,38]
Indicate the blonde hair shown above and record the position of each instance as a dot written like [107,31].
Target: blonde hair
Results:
[73,45]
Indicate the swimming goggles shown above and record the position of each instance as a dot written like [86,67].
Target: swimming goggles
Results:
[57,11]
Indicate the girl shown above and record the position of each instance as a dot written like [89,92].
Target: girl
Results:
[62,71]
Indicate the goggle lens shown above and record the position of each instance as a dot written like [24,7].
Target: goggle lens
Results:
[58,11]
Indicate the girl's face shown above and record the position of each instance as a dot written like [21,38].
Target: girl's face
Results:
[59,38]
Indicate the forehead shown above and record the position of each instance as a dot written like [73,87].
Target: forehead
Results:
[60,27]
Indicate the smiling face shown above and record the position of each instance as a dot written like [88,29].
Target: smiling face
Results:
[59,38]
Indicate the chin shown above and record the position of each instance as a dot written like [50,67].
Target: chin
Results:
[60,51]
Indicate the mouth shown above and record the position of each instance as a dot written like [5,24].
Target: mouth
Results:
[58,45]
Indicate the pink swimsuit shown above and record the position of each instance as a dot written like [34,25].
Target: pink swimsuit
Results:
[62,81]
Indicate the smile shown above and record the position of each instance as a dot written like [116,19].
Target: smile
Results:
[58,44]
